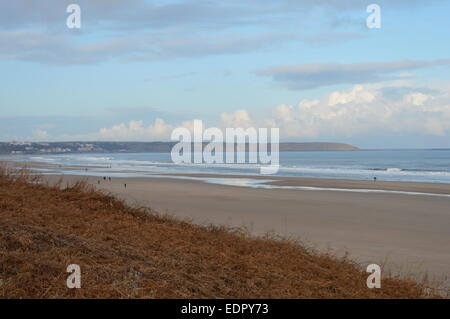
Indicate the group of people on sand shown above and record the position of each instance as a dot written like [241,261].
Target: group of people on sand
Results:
[109,179]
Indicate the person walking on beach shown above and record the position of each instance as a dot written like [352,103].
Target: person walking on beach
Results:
[125,185]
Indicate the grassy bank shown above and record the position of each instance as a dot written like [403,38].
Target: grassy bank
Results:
[125,252]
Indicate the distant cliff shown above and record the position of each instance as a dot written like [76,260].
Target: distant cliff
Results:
[138,147]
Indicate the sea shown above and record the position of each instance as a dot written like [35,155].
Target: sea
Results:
[388,165]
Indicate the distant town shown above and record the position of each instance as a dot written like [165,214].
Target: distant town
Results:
[22,148]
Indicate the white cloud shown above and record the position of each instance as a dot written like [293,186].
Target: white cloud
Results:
[417,99]
[363,110]
[357,95]
[189,125]
[135,130]
[239,118]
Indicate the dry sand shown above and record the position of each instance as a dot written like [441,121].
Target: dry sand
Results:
[408,234]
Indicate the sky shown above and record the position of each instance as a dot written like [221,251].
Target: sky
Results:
[137,69]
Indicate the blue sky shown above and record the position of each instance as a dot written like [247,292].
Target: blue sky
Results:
[137,69]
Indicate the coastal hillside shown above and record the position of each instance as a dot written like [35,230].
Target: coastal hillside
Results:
[125,252]
[15,148]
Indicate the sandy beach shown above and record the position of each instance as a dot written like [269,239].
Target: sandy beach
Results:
[407,234]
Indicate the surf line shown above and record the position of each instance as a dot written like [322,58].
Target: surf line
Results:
[257,183]
[349,190]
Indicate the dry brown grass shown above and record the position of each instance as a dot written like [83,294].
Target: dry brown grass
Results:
[136,253]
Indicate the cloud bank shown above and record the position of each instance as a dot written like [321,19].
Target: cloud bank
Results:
[363,110]
[136,30]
